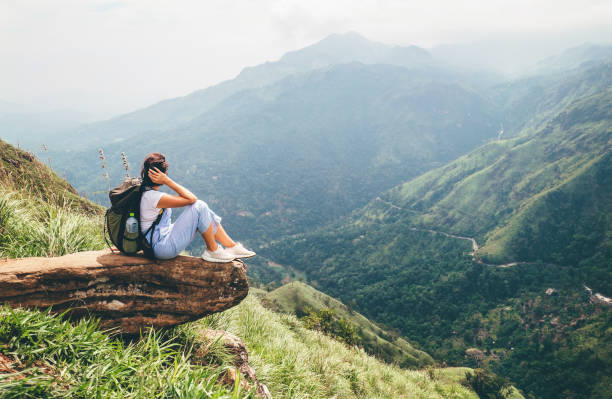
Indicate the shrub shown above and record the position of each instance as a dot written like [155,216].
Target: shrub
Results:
[487,384]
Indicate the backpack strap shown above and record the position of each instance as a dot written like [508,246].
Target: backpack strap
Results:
[105,229]
[147,245]
[152,227]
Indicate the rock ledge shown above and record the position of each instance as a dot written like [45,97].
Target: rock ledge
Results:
[130,292]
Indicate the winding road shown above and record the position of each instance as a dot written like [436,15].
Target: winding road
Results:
[471,239]
[595,297]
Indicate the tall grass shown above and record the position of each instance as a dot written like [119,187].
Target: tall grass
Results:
[58,360]
[30,226]
[298,363]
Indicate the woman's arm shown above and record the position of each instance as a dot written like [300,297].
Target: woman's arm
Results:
[184,197]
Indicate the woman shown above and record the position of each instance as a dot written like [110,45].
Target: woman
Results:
[169,239]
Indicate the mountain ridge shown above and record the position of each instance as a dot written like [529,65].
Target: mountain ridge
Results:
[551,186]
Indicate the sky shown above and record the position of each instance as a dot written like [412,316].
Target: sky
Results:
[110,57]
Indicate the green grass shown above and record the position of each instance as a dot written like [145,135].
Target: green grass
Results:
[295,362]
[296,296]
[22,171]
[30,226]
[40,213]
[59,360]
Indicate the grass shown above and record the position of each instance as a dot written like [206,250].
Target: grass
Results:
[295,297]
[55,359]
[30,226]
[22,171]
[298,363]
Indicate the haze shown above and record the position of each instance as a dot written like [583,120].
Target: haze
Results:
[111,57]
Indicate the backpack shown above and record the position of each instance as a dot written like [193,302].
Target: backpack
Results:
[125,202]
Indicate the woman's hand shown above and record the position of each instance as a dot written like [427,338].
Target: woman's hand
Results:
[157,176]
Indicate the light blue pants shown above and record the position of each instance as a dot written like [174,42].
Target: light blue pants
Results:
[170,239]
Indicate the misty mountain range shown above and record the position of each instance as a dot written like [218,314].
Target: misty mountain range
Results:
[353,163]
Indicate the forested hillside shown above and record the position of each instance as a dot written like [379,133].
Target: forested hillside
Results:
[542,198]
[545,196]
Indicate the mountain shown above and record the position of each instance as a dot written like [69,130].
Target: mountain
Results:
[31,129]
[308,149]
[541,204]
[173,113]
[530,102]
[574,57]
[303,300]
[536,197]
[342,132]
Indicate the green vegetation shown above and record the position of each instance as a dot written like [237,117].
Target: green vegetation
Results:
[46,356]
[40,213]
[59,360]
[21,171]
[330,315]
[295,362]
[32,227]
[487,385]
[543,198]
[326,321]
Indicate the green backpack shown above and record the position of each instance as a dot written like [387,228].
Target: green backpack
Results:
[125,202]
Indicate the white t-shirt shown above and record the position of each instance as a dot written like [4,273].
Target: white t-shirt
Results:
[148,208]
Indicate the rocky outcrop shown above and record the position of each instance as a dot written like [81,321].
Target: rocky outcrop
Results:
[236,347]
[129,292]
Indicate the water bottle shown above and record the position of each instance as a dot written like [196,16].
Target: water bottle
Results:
[131,224]
[130,236]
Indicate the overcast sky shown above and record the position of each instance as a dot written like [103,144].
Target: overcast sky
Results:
[109,57]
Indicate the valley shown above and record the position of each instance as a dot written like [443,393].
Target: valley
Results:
[439,214]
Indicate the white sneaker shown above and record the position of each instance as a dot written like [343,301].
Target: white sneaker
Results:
[238,251]
[220,255]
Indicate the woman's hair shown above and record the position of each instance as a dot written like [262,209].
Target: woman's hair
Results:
[153,160]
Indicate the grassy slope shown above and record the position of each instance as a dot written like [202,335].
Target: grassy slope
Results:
[296,362]
[40,213]
[21,171]
[60,360]
[294,297]
[508,192]
[52,359]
